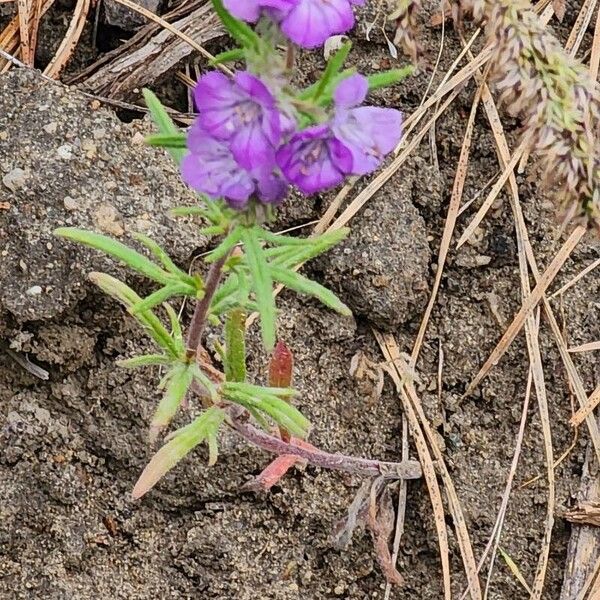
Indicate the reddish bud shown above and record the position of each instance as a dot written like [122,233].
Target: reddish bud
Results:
[280,374]
[281,366]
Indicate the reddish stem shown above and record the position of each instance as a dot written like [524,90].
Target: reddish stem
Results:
[408,469]
[201,311]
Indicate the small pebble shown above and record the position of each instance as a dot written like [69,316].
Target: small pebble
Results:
[34,290]
[15,179]
[99,133]
[70,203]
[51,127]
[65,152]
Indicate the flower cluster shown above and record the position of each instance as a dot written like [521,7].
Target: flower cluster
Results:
[307,23]
[243,145]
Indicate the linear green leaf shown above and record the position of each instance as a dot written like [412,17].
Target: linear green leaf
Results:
[146,360]
[389,78]
[262,285]
[178,381]
[335,63]
[231,240]
[138,262]
[176,331]
[183,441]
[235,55]
[167,140]
[161,254]
[149,321]
[161,295]
[302,285]
[163,121]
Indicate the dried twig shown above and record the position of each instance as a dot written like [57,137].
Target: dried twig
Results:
[69,42]
[586,410]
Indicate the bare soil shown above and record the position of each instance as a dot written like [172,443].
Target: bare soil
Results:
[72,446]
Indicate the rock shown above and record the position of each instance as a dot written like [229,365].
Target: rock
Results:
[59,183]
[15,179]
[381,270]
[117,15]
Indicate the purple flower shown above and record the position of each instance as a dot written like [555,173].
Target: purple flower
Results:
[250,10]
[369,132]
[243,112]
[210,168]
[314,160]
[310,22]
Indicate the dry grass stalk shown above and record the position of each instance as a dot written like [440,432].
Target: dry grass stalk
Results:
[10,38]
[24,15]
[587,409]
[429,473]
[402,375]
[69,42]
[581,24]
[575,279]
[589,347]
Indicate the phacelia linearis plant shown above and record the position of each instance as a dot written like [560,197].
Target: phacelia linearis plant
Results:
[255,137]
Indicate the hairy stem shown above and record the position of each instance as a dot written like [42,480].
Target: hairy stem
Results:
[408,469]
[201,311]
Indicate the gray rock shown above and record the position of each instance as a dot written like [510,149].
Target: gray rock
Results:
[15,179]
[381,270]
[116,187]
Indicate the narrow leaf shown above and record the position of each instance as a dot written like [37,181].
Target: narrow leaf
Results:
[206,383]
[302,285]
[235,55]
[281,367]
[510,563]
[145,361]
[178,381]
[167,140]
[335,63]
[130,257]
[262,285]
[389,78]
[149,321]
[176,331]
[205,427]
[231,240]
[164,258]
[164,122]
[161,295]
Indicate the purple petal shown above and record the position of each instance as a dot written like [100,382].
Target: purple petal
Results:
[255,89]
[314,161]
[311,22]
[370,133]
[351,91]
[252,149]
[216,98]
[246,10]
[272,188]
[211,169]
